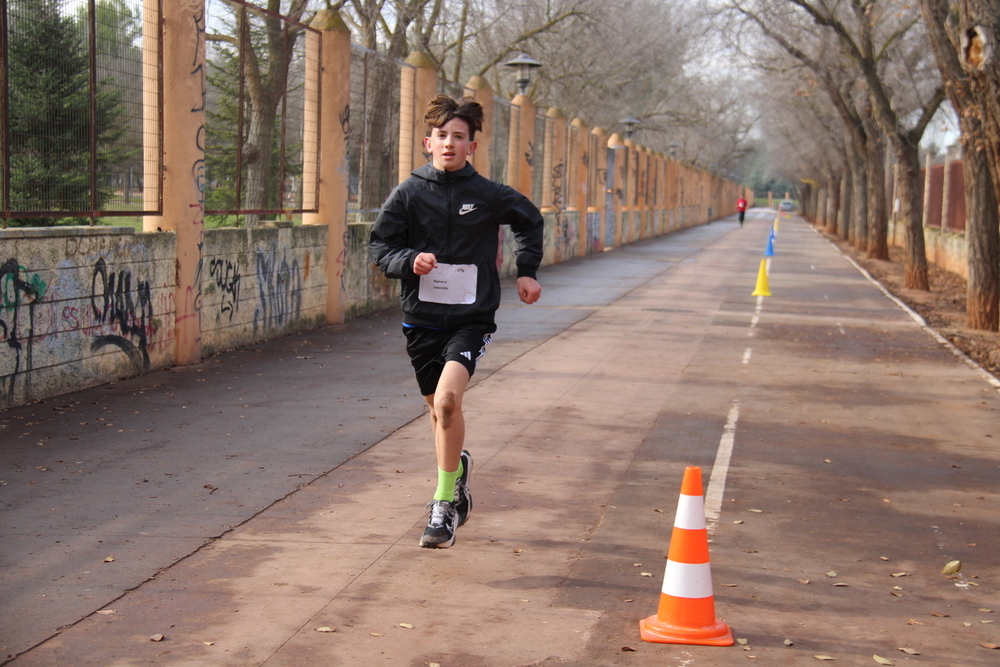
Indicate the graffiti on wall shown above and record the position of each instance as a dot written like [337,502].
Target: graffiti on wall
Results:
[279,289]
[227,278]
[126,308]
[20,293]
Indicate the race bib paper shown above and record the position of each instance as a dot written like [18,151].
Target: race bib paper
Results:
[449,283]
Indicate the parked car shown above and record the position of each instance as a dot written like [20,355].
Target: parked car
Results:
[786,205]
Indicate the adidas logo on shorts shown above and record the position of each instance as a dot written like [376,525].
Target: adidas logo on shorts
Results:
[467,355]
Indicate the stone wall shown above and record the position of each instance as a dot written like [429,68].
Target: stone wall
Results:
[261,283]
[82,306]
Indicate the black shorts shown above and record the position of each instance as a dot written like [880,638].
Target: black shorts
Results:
[430,349]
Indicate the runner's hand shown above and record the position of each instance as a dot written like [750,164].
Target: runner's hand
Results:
[528,289]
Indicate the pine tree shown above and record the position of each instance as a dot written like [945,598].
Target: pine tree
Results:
[50,115]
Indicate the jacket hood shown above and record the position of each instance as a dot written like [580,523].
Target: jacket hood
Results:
[429,173]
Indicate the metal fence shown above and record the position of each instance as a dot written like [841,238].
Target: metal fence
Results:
[373,138]
[499,148]
[538,156]
[256,113]
[75,105]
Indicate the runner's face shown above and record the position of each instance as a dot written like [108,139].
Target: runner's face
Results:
[449,145]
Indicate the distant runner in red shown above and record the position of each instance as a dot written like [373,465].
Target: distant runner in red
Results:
[741,206]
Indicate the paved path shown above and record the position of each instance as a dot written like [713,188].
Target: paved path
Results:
[835,436]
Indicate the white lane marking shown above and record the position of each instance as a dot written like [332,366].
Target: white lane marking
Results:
[720,469]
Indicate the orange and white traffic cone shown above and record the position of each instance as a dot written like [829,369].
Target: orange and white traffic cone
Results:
[686,614]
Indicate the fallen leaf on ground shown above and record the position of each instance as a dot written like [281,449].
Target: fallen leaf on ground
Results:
[842,584]
[157,638]
[325,629]
[788,642]
[742,641]
[988,645]
[629,649]
[952,568]
[106,612]
[900,574]
[109,559]
[985,621]
[377,634]
[406,625]
[984,610]
[209,643]
[757,511]
[823,657]
[939,614]
[882,661]
[913,621]
[645,574]
[831,574]
[803,581]
[909,651]
[738,521]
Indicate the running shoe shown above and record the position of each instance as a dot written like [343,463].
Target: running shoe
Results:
[440,531]
[463,497]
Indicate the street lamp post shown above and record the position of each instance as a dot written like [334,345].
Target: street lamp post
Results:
[629,122]
[524,64]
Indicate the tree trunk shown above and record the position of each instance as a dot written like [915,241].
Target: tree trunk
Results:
[846,197]
[833,211]
[859,213]
[982,237]
[877,245]
[980,51]
[982,233]
[911,213]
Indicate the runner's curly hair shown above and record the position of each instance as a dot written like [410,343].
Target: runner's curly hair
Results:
[442,109]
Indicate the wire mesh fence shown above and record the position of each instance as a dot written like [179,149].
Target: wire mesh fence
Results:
[257,119]
[538,156]
[76,103]
[373,138]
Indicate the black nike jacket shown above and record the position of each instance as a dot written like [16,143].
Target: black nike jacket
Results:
[455,215]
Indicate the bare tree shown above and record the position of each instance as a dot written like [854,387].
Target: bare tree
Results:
[855,32]
[982,226]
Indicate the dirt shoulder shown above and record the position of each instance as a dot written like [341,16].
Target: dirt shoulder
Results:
[943,307]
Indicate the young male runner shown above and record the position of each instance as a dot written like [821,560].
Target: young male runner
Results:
[741,207]
[438,233]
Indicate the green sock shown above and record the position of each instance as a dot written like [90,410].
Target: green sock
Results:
[446,484]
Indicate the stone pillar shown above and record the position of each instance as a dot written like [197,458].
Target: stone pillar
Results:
[151,112]
[629,181]
[522,138]
[183,151]
[670,194]
[331,184]
[598,171]
[580,159]
[418,86]
[642,190]
[554,162]
[479,89]
[617,171]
